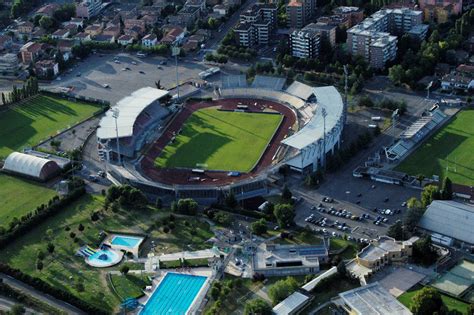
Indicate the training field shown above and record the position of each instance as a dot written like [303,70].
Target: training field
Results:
[18,197]
[457,280]
[27,124]
[451,147]
[226,141]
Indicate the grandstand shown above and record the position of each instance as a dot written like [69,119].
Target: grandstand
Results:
[301,90]
[415,134]
[267,82]
[139,115]
[234,81]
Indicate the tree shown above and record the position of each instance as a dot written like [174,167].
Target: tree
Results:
[46,22]
[411,218]
[447,189]
[341,268]
[39,265]
[186,206]
[286,194]
[230,200]
[423,252]
[17,309]
[429,193]
[158,203]
[215,291]
[124,270]
[65,12]
[50,248]
[396,230]
[257,306]
[420,178]
[259,227]
[427,302]
[285,215]
[366,101]
[282,289]
[223,218]
[396,74]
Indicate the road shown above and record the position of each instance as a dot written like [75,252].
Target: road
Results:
[6,304]
[66,307]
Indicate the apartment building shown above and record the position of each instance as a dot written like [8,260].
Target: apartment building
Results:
[355,15]
[326,31]
[304,43]
[9,64]
[88,9]
[256,25]
[375,37]
[295,12]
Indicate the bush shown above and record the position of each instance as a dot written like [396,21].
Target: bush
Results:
[259,227]
[282,289]
[166,229]
[124,270]
[50,248]
[80,227]
[72,235]
[186,206]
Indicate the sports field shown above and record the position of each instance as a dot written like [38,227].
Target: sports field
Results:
[19,197]
[447,153]
[457,280]
[226,141]
[27,124]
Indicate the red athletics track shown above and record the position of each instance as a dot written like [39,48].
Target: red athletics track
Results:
[181,176]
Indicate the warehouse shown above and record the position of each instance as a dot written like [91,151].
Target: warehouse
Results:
[30,166]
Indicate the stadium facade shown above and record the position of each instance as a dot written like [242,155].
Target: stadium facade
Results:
[132,121]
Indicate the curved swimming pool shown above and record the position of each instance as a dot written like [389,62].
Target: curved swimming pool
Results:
[104,258]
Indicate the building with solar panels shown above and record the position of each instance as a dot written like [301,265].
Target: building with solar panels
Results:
[30,166]
[288,260]
[133,120]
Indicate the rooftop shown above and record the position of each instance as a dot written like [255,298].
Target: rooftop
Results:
[382,246]
[291,303]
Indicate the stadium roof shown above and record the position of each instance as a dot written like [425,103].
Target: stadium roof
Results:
[290,304]
[28,165]
[130,107]
[328,98]
[301,90]
[450,218]
[373,299]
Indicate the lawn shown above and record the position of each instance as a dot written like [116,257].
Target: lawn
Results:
[20,197]
[350,248]
[64,270]
[227,141]
[447,153]
[37,119]
[451,303]
[130,285]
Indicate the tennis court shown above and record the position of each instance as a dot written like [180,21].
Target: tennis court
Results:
[458,280]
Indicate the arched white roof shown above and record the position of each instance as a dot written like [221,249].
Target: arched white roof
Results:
[25,164]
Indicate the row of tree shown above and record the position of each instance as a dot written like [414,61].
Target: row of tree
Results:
[30,88]
[219,58]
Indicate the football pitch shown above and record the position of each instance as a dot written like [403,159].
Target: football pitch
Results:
[226,141]
[449,152]
[20,197]
[27,124]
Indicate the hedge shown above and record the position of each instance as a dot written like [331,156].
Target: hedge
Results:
[48,289]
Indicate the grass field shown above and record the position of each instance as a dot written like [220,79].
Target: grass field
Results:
[19,197]
[451,303]
[130,285]
[451,147]
[227,141]
[27,124]
[66,271]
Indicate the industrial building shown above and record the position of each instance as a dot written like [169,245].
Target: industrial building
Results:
[449,222]
[32,167]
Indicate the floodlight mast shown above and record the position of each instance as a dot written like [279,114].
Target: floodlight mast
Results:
[344,114]
[115,115]
[323,160]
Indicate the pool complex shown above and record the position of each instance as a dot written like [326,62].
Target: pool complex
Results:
[174,295]
[104,258]
[126,241]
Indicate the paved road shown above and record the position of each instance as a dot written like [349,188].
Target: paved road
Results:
[6,304]
[68,308]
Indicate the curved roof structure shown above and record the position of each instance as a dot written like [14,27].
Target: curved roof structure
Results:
[30,165]
[129,108]
[327,97]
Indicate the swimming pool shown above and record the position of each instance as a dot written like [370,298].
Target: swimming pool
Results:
[126,241]
[104,258]
[174,295]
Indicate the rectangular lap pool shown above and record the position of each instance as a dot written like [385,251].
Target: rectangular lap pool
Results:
[174,295]
[126,241]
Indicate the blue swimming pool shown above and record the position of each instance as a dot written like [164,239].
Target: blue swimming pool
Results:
[126,241]
[174,295]
[104,258]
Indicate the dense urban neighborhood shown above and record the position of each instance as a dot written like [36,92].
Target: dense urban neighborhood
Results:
[237,157]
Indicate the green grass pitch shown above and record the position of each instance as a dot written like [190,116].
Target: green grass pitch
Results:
[37,119]
[449,152]
[20,197]
[226,141]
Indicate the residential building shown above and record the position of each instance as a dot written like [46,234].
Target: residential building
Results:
[304,43]
[88,9]
[295,13]
[266,12]
[9,64]
[47,9]
[47,69]
[60,34]
[384,251]
[174,37]
[76,21]
[440,10]
[355,14]
[256,25]
[149,40]
[82,37]
[31,51]
[65,45]
[134,32]
[232,3]
[193,42]
[200,4]
[25,28]
[245,34]
[326,31]
[150,19]
[130,23]
[336,20]
[5,42]
[125,40]
[285,260]
[451,219]
[101,38]
[93,30]
[373,39]
[71,28]
[220,9]
[112,30]
[188,15]
[371,299]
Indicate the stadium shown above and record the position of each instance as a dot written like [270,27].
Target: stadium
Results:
[232,143]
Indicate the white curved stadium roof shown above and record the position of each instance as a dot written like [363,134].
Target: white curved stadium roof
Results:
[327,97]
[129,107]
[25,164]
